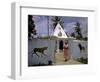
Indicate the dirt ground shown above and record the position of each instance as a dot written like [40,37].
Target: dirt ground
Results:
[59,60]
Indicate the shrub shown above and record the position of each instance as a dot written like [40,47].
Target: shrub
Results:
[83,60]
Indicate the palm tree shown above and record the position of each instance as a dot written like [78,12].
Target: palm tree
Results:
[56,20]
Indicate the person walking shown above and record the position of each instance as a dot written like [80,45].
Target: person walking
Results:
[66,48]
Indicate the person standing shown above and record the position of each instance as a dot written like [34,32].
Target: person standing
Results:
[66,48]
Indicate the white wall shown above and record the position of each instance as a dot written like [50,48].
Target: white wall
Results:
[5,36]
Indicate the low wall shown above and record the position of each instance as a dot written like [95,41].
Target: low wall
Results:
[75,50]
[39,43]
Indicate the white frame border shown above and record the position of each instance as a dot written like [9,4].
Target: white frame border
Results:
[16,38]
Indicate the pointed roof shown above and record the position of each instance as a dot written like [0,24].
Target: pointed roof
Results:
[59,32]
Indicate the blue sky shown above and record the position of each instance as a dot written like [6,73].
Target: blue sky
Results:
[42,24]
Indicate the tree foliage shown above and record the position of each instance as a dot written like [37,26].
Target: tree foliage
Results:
[73,34]
[31,26]
[78,31]
[56,20]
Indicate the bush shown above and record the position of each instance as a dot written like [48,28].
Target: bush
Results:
[83,60]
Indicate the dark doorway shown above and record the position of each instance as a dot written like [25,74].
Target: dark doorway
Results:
[61,44]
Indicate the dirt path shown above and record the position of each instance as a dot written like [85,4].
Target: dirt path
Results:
[59,60]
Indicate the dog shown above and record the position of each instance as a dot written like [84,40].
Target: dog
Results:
[40,50]
[82,48]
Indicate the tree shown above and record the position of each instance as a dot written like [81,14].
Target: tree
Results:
[31,26]
[73,34]
[85,38]
[57,20]
[78,31]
